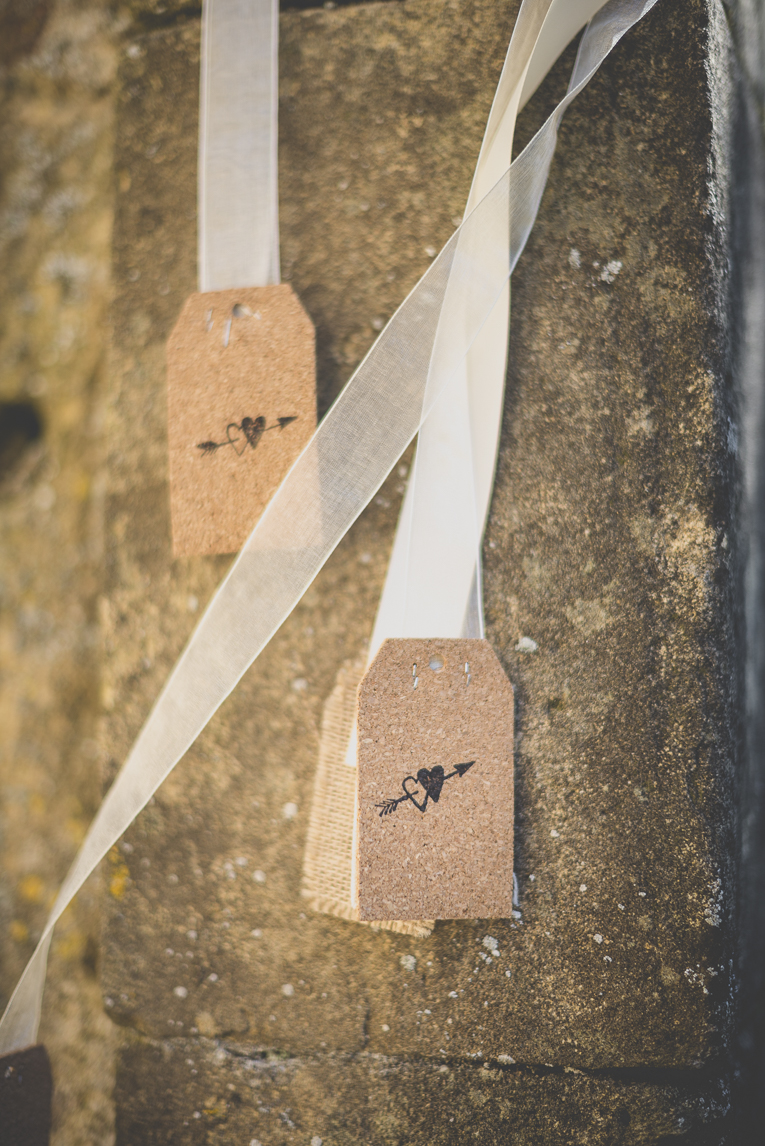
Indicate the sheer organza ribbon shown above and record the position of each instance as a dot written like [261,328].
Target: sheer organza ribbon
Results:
[433,586]
[376,416]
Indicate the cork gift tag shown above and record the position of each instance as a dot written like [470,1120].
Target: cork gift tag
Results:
[241,400]
[435,783]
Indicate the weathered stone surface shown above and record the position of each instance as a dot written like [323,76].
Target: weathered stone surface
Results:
[218,1095]
[147,14]
[55,226]
[156,13]
[609,545]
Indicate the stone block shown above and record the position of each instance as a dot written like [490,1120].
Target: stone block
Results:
[216,1095]
[609,547]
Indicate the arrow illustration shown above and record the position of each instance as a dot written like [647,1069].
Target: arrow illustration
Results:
[431,779]
[253,430]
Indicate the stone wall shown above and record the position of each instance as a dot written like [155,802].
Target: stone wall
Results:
[56,123]
[614,543]
[611,544]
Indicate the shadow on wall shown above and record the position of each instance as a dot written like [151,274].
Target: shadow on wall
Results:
[20,427]
[21,22]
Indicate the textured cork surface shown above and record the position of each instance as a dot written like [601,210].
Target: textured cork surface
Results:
[241,404]
[436,723]
[328,858]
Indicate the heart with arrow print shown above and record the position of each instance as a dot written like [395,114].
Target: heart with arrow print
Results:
[431,780]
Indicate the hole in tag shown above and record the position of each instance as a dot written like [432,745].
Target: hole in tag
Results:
[436,663]
[239,310]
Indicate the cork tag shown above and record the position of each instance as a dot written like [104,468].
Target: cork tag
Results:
[435,783]
[241,401]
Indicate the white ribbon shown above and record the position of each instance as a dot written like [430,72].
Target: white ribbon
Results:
[357,444]
[433,587]
[238,197]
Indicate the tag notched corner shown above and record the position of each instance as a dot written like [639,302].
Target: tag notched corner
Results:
[435,783]
[241,403]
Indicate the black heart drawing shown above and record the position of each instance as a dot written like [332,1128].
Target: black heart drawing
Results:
[432,780]
[253,429]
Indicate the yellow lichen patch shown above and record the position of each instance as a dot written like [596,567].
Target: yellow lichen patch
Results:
[19,931]
[71,946]
[217,1111]
[205,1024]
[120,880]
[31,889]
[81,486]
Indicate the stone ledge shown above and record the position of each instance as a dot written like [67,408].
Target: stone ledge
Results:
[216,1093]
[609,545]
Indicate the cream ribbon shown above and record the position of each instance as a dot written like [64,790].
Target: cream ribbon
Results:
[238,192]
[433,586]
[359,441]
